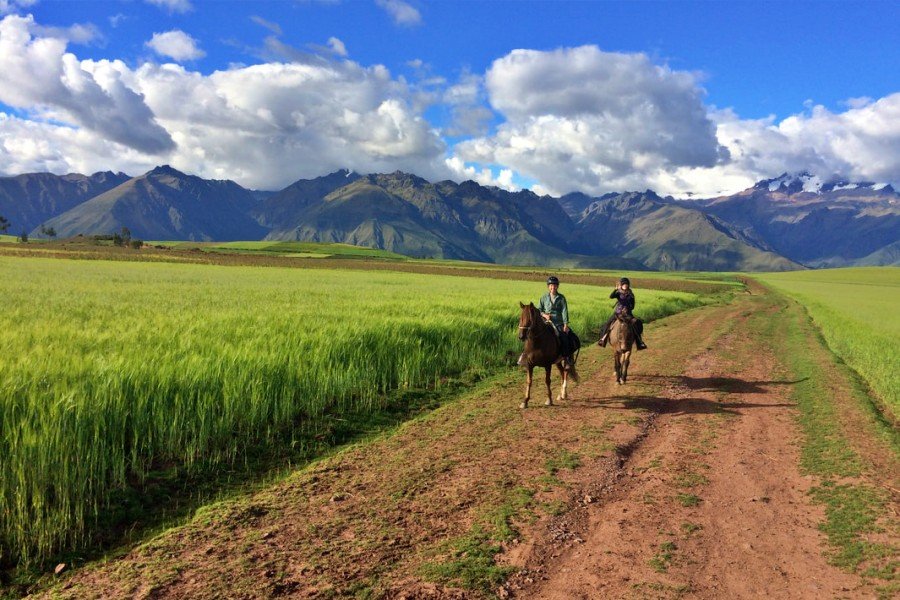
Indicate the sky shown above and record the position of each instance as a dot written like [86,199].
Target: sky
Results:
[686,98]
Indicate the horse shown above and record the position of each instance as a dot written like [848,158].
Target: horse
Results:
[621,339]
[542,346]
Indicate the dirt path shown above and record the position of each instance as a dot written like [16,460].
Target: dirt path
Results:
[712,504]
[684,483]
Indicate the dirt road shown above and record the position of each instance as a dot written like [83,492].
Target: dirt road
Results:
[686,482]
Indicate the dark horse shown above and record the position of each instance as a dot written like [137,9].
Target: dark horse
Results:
[542,348]
[621,338]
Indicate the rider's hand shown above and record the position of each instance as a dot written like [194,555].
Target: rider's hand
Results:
[566,328]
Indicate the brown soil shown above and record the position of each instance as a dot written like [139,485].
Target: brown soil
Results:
[687,485]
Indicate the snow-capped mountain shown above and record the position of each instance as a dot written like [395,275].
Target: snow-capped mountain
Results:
[797,183]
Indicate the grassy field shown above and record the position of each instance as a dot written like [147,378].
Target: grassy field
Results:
[857,313]
[115,370]
[304,249]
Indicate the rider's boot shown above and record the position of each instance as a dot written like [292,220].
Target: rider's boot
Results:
[521,361]
[603,340]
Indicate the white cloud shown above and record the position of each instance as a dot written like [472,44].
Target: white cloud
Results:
[584,119]
[173,6]
[38,75]
[263,125]
[175,44]
[28,146]
[403,13]
[484,176]
[337,46]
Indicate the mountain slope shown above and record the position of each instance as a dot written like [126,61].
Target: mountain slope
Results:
[663,235]
[165,204]
[404,213]
[813,222]
[31,199]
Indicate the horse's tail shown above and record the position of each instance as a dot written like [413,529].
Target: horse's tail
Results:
[573,374]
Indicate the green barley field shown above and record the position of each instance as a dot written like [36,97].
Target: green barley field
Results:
[856,310]
[112,369]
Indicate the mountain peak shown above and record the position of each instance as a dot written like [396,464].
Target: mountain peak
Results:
[166,170]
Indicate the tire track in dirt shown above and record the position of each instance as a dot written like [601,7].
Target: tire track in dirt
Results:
[710,504]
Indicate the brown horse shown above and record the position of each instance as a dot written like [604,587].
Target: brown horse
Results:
[542,348]
[621,339]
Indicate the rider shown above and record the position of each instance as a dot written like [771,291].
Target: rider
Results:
[553,308]
[624,303]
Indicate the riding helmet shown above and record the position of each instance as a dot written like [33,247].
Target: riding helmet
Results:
[624,280]
[553,279]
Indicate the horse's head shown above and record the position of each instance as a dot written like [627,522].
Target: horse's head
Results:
[527,319]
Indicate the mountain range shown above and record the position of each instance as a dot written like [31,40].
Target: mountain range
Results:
[790,222]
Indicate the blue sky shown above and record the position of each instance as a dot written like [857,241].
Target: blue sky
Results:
[737,90]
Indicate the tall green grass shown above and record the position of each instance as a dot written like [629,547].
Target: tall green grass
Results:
[857,312]
[112,369]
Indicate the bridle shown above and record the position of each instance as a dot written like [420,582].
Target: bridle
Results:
[527,331]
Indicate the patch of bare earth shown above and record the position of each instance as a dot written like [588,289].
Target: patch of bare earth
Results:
[682,482]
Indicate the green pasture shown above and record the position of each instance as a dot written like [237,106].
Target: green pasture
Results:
[112,370]
[858,313]
[309,249]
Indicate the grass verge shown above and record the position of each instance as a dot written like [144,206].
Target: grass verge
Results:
[855,510]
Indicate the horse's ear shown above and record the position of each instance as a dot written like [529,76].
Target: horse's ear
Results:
[521,305]
[531,304]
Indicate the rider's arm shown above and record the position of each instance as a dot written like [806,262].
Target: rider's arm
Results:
[615,294]
[564,313]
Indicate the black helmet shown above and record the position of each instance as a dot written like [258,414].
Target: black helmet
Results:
[624,280]
[552,279]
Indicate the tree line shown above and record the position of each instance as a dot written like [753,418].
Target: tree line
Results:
[121,238]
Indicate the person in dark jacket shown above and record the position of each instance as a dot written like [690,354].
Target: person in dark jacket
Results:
[624,303]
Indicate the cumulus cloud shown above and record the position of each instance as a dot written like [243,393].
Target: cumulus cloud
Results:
[28,146]
[584,119]
[263,125]
[175,44]
[403,13]
[173,6]
[38,75]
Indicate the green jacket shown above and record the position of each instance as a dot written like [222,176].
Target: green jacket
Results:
[557,309]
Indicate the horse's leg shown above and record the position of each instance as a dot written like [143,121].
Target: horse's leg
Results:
[563,395]
[627,359]
[549,391]
[527,387]
[618,368]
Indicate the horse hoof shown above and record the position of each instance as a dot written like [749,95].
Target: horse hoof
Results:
[618,383]
[523,405]
[548,403]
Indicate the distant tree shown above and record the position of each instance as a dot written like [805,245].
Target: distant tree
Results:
[126,236]
[117,240]
[48,231]
[136,244]
[4,224]
[23,237]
